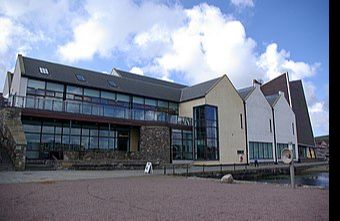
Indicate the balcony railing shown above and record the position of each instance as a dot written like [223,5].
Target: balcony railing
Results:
[96,110]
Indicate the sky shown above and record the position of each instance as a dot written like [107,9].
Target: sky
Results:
[186,42]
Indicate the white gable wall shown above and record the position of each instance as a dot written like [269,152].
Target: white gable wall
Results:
[259,117]
[284,117]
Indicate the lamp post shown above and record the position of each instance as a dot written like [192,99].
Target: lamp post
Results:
[292,175]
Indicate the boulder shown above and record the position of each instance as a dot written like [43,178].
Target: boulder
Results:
[227,179]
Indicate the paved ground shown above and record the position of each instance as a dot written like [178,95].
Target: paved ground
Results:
[59,175]
[160,198]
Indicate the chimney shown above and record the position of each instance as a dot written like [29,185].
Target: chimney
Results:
[257,83]
[281,93]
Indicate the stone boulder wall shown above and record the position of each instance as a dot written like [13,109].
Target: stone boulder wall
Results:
[155,144]
[12,136]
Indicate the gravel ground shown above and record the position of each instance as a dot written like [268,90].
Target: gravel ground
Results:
[160,198]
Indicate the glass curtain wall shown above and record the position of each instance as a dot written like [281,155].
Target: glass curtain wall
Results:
[46,138]
[206,133]
[181,142]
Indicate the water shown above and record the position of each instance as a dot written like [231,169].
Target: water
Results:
[320,179]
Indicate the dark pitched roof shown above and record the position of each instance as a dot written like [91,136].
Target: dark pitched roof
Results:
[299,105]
[244,92]
[277,84]
[198,90]
[125,74]
[272,99]
[130,85]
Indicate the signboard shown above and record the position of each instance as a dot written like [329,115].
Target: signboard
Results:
[287,156]
[148,168]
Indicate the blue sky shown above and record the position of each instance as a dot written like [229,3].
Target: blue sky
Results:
[182,41]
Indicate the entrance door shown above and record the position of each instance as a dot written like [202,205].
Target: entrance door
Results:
[123,141]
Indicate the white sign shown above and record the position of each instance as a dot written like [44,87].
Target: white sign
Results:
[287,156]
[148,168]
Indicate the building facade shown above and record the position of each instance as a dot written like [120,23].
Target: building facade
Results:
[295,96]
[72,115]
[284,125]
[259,124]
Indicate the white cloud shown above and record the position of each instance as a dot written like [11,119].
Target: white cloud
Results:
[136,70]
[112,25]
[208,45]
[274,63]
[14,39]
[318,109]
[243,3]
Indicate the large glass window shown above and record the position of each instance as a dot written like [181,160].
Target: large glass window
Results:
[260,150]
[206,133]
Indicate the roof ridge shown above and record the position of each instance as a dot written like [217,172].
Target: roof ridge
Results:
[144,76]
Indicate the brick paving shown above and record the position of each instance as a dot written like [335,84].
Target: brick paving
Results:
[159,198]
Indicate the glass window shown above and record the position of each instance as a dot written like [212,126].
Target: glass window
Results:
[150,102]
[123,97]
[111,83]
[173,107]
[36,84]
[80,77]
[108,95]
[74,90]
[54,87]
[138,100]
[163,104]
[48,127]
[91,92]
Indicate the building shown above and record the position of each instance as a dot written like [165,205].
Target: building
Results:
[80,116]
[259,124]
[322,147]
[284,125]
[294,94]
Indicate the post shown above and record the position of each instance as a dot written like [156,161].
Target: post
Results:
[203,168]
[164,169]
[173,169]
[234,166]
[187,169]
[292,175]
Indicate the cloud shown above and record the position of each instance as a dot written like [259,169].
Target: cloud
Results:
[136,70]
[112,26]
[243,3]
[15,39]
[207,45]
[318,108]
[274,63]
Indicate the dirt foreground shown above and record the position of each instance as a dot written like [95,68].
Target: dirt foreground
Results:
[160,198]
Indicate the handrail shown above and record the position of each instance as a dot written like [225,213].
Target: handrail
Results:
[105,110]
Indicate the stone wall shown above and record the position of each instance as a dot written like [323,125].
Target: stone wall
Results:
[155,143]
[12,136]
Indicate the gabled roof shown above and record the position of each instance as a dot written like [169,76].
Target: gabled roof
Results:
[137,85]
[198,90]
[300,108]
[245,92]
[129,75]
[280,83]
[272,99]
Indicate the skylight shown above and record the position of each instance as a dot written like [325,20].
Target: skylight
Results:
[80,77]
[43,71]
[111,83]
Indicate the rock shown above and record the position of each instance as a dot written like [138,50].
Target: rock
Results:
[227,179]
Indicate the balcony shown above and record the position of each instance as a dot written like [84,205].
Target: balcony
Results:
[75,107]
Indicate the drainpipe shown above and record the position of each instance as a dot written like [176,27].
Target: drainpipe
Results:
[274,136]
[245,128]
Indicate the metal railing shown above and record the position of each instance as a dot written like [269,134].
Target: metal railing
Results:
[96,110]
